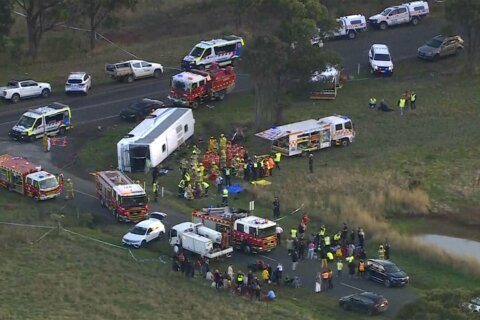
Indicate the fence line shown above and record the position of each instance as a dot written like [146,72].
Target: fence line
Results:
[26,225]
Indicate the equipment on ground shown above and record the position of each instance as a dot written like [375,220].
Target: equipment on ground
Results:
[124,198]
[20,175]
[239,229]
[325,84]
[191,88]
[309,135]
[155,138]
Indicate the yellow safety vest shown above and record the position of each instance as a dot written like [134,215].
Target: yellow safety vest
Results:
[339,265]
[187,177]
[293,233]
[155,187]
[227,171]
[278,156]
[181,184]
[225,193]
[401,103]
[327,240]
[322,232]
[205,185]
[329,256]
[413,97]
[373,100]
[336,237]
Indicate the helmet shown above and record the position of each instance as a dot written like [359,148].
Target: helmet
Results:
[222,135]
[69,180]
[381,246]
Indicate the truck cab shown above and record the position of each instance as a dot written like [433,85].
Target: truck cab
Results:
[42,185]
[395,15]
[255,234]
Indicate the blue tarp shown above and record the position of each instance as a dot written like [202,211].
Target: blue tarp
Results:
[235,188]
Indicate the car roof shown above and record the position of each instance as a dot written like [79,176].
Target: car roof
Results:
[380,48]
[146,223]
[382,262]
[371,295]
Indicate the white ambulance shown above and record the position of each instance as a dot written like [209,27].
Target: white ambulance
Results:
[223,52]
[410,12]
[310,135]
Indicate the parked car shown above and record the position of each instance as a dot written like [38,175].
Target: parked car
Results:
[140,109]
[473,305]
[386,272]
[145,231]
[380,60]
[133,69]
[367,302]
[440,46]
[16,90]
[78,82]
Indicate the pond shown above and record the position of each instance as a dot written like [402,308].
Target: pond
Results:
[455,246]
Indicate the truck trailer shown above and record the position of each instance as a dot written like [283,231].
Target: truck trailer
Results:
[155,138]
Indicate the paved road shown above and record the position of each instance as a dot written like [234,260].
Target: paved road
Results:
[106,102]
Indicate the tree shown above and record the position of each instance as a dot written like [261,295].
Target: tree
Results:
[466,14]
[6,19]
[41,16]
[97,11]
[280,58]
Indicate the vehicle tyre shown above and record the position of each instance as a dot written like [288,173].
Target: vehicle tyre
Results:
[387,283]
[115,214]
[435,57]
[415,21]
[383,26]
[370,312]
[195,105]
[352,35]
[45,93]
[368,276]
[15,98]
[458,50]
[31,138]
[62,131]
[157,73]
[345,306]
[130,79]
[345,142]
[143,244]
[234,62]
[102,202]
[246,248]
[221,95]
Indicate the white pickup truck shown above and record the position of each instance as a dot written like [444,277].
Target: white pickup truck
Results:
[199,239]
[411,12]
[133,69]
[16,90]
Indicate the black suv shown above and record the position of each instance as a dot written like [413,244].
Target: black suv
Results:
[140,109]
[386,272]
[367,302]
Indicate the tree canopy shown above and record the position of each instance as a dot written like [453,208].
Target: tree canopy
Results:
[278,55]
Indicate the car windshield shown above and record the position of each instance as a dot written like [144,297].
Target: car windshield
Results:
[139,105]
[270,231]
[179,85]
[386,12]
[134,201]
[382,57]
[48,183]
[25,122]
[392,268]
[435,43]
[138,230]
[197,52]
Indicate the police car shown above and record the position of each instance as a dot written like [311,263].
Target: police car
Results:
[380,60]
[78,82]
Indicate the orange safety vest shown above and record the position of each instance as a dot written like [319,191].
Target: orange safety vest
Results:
[361,267]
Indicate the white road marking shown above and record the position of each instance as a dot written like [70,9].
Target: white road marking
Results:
[86,194]
[347,285]
[261,255]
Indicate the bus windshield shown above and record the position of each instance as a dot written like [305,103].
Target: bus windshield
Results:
[197,52]
[135,201]
[48,183]
[26,122]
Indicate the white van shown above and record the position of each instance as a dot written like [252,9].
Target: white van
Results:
[52,119]
[223,52]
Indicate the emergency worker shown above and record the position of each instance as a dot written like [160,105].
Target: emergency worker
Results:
[225,196]
[155,191]
[181,188]
[69,189]
[372,103]
[277,159]
[381,252]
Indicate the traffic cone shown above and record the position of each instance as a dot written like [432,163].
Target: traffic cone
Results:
[64,142]
[53,141]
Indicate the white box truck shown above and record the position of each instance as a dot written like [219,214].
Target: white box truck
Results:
[197,238]
[155,138]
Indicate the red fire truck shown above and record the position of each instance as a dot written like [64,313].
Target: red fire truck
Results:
[124,198]
[191,88]
[20,175]
[239,229]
